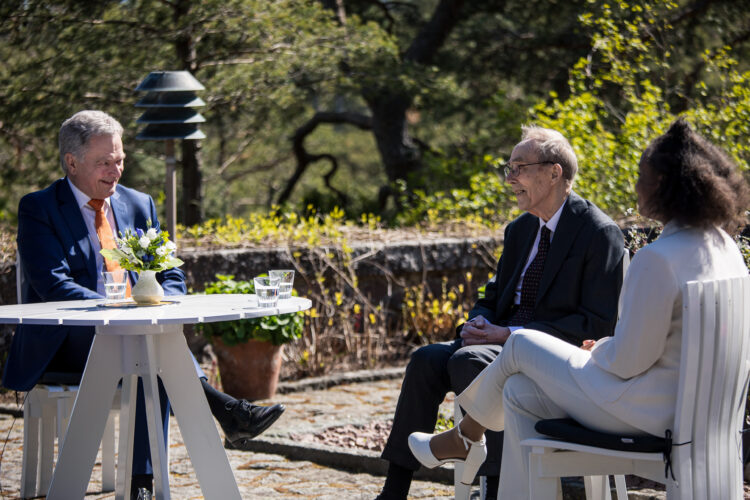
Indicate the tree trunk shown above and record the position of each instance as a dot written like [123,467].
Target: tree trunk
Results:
[192,184]
[400,156]
[192,179]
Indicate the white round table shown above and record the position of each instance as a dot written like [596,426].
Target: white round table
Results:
[147,341]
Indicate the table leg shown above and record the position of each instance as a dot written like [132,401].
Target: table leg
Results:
[76,458]
[127,436]
[153,414]
[193,416]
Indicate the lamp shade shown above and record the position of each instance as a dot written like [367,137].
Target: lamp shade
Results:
[171,115]
[169,81]
[170,100]
[164,131]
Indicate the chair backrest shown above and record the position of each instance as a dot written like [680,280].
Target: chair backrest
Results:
[714,371]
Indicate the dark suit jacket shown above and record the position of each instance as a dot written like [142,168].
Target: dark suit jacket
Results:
[58,263]
[578,294]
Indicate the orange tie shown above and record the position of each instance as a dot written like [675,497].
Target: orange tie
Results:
[106,237]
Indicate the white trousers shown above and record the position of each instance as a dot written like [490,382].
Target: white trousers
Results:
[529,381]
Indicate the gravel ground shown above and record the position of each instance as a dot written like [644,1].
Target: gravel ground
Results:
[326,446]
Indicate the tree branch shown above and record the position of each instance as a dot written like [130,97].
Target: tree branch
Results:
[433,34]
[253,169]
[304,159]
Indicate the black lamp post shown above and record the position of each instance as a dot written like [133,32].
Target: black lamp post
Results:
[170,114]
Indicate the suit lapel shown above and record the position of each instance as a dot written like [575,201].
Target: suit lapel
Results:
[121,212]
[529,229]
[77,226]
[565,235]
[123,219]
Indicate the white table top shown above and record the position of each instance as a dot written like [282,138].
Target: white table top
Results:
[186,309]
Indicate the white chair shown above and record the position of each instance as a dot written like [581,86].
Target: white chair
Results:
[706,457]
[46,410]
[463,491]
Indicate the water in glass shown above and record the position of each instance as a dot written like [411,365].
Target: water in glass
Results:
[267,290]
[115,291]
[286,277]
[115,285]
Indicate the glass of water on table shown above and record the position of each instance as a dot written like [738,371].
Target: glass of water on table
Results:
[115,285]
[286,277]
[267,290]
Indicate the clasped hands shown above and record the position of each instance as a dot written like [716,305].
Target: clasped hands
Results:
[479,331]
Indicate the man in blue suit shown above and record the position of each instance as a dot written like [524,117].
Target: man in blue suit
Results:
[60,260]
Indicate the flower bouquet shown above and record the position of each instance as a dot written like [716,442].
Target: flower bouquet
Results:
[145,252]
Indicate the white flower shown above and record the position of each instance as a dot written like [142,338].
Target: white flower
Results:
[171,246]
[152,234]
[140,254]
[144,241]
[162,251]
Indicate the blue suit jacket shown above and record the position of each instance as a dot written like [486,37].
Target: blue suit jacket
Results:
[59,263]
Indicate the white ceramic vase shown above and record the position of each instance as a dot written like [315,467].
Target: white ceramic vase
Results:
[147,290]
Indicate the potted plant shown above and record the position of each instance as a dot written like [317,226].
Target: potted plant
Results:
[249,351]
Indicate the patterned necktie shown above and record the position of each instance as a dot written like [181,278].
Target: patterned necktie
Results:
[531,280]
[106,237]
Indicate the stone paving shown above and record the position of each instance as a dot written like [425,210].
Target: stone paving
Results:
[278,464]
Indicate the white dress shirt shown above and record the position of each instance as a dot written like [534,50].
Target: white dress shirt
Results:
[89,217]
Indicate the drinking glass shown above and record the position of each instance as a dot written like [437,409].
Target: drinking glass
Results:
[115,285]
[267,290]
[285,285]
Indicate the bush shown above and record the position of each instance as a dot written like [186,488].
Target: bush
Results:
[620,94]
[277,330]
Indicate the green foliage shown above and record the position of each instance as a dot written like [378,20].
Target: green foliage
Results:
[277,330]
[278,226]
[269,66]
[430,316]
[744,243]
[619,99]
[486,202]
[443,423]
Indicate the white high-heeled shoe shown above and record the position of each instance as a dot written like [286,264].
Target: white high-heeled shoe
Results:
[419,444]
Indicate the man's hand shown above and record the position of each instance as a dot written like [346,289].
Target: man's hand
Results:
[479,331]
[588,345]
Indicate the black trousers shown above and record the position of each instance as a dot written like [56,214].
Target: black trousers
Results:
[433,371]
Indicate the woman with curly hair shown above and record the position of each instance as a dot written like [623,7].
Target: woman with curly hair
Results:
[626,383]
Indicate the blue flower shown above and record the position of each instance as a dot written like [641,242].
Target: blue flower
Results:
[139,232]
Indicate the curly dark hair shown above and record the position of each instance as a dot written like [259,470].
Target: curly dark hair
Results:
[699,183]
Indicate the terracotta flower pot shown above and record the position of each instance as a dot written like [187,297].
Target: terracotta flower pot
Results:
[249,370]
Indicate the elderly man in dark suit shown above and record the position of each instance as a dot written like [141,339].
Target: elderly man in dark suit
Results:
[59,250]
[560,273]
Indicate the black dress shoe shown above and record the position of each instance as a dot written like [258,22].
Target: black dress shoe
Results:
[143,494]
[141,487]
[249,420]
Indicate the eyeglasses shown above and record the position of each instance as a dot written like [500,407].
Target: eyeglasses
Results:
[514,170]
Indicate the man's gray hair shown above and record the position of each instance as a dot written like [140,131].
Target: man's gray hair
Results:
[77,130]
[552,146]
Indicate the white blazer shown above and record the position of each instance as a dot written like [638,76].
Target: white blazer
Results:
[634,374]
